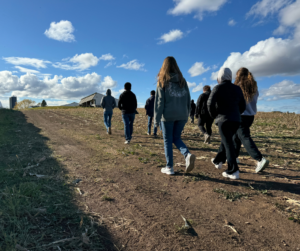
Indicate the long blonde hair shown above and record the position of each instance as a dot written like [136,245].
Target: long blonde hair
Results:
[169,66]
[246,81]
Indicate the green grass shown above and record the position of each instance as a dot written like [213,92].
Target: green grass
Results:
[231,196]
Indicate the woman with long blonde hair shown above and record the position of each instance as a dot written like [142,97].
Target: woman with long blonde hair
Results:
[172,109]
[245,80]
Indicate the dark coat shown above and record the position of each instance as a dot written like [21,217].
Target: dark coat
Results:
[149,107]
[202,109]
[193,109]
[127,102]
[226,102]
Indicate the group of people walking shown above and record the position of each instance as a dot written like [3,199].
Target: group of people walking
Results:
[231,106]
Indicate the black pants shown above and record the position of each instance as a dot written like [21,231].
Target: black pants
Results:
[207,121]
[192,116]
[243,136]
[226,151]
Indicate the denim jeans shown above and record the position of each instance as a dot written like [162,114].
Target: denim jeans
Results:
[243,136]
[192,118]
[150,119]
[172,134]
[207,121]
[107,119]
[227,151]
[128,120]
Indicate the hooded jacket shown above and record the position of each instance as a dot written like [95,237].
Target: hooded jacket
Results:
[127,102]
[226,101]
[149,107]
[201,109]
[251,108]
[193,108]
[108,103]
[172,103]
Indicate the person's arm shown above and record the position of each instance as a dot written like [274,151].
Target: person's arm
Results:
[198,107]
[102,104]
[120,102]
[188,100]
[242,103]
[159,105]
[147,106]
[114,103]
[212,103]
[135,102]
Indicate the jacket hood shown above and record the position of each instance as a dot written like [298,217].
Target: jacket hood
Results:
[224,74]
[108,92]
[174,77]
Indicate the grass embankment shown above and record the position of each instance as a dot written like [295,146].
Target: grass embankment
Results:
[38,208]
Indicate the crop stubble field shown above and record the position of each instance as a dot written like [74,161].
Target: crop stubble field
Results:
[67,185]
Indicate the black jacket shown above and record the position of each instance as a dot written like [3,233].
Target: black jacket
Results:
[201,109]
[226,102]
[193,109]
[149,107]
[127,102]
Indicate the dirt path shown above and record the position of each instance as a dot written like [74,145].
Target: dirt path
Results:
[124,189]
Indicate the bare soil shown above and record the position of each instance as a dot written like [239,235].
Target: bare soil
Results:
[141,208]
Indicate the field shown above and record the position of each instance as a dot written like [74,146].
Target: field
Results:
[67,185]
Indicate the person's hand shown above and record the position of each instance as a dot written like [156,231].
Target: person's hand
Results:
[197,116]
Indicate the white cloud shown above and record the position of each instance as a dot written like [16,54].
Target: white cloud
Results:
[22,69]
[80,62]
[190,85]
[197,69]
[34,62]
[198,88]
[109,64]
[61,31]
[284,90]
[171,36]
[184,7]
[231,22]
[265,7]
[29,85]
[107,57]
[133,65]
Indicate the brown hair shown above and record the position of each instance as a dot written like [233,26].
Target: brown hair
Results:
[206,88]
[169,66]
[246,81]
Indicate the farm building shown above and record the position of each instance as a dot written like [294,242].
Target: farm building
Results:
[74,104]
[93,100]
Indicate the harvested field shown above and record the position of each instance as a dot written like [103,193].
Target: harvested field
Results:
[99,194]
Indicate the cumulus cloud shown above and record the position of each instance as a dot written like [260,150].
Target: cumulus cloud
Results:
[78,62]
[29,85]
[198,69]
[231,22]
[199,7]
[133,65]
[61,31]
[190,85]
[198,88]
[171,36]
[22,69]
[34,62]
[107,57]
[284,90]
[264,8]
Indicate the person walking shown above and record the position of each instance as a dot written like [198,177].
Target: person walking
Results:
[149,107]
[192,112]
[245,80]
[172,108]
[225,104]
[203,116]
[128,104]
[108,103]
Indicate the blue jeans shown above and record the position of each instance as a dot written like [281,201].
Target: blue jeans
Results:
[128,120]
[172,134]
[107,119]
[150,119]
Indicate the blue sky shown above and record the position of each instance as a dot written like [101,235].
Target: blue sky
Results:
[61,51]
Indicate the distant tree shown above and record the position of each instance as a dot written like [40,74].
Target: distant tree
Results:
[44,103]
[24,104]
[39,104]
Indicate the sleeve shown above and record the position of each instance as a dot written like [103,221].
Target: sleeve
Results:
[120,102]
[147,105]
[135,102]
[189,100]
[212,103]
[159,104]
[242,104]
[199,105]
[114,103]
[102,104]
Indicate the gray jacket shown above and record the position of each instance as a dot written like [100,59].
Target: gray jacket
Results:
[251,108]
[172,103]
[108,103]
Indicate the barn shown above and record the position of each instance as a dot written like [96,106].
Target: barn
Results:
[93,100]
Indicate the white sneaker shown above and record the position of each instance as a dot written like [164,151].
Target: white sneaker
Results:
[127,142]
[261,165]
[206,138]
[238,161]
[218,166]
[189,162]
[233,176]
[168,170]
[148,133]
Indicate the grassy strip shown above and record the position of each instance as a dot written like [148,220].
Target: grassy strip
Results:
[38,212]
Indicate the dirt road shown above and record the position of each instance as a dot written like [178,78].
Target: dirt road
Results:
[122,188]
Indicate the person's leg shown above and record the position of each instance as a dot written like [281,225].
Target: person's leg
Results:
[126,126]
[109,122]
[131,121]
[167,129]
[208,122]
[237,143]
[201,122]
[105,118]
[149,124]
[177,129]
[154,128]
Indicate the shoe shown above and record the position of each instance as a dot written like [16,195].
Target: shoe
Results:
[206,138]
[190,162]
[168,170]
[127,142]
[261,165]
[238,161]
[233,176]
[107,133]
[154,135]
[109,130]
[148,133]
[218,166]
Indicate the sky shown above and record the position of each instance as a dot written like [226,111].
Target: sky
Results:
[62,51]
